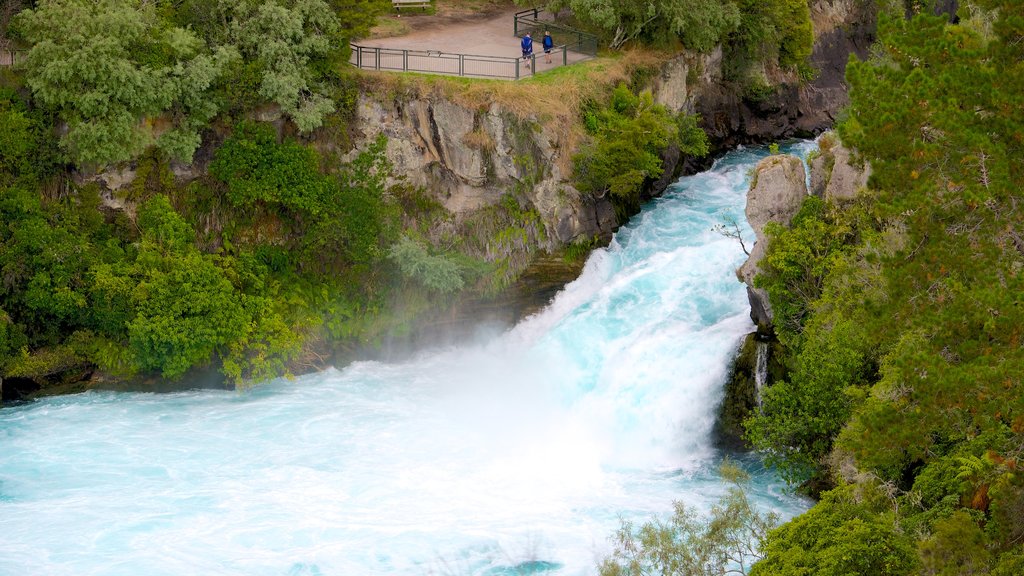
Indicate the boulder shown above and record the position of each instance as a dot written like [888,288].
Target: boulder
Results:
[847,178]
[776,193]
[835,176]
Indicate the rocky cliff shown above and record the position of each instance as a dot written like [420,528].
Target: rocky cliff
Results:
[776,193]
[469,155]
[793,107]
[469,158]
[836,175]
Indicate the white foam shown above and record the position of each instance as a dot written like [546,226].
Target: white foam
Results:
[466,460]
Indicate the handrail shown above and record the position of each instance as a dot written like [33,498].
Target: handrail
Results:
[530,20]
[452,63]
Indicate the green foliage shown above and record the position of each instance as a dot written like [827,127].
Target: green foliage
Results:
[11,339]
[256,168]
[801,415]
[753,31]
[433,271]
[699,24]
[727,541]
[184,315]
[903,317]
[127,75]
[105,66]
[349,219]
[798,259]
[27,148]
[284,37]
[578,250]
[840,536]
[956,547]
[627,140]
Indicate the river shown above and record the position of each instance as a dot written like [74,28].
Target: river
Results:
[517,454]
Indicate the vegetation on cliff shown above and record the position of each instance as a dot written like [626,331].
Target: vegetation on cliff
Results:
[273,251]
[753,33]
[901,315]
[627,138]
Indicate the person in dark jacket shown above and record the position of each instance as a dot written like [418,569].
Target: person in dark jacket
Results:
[548,44]
[527,45]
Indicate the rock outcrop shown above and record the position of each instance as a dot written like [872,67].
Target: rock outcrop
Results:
[778,190]
[470,158]
[835,176]
[698,83]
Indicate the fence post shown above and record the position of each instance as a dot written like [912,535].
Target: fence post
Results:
[515,26]
[462,64]
[535,12]
[376,58]
[565,55]
[359,57]
[533,64]
[405,60]
[517,67]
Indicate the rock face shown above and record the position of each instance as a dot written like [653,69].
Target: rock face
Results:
[470,158]
[697,83]
[835,176]
[778,190]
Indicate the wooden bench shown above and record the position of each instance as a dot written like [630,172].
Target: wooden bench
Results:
[399,4]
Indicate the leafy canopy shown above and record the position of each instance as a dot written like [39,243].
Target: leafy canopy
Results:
[628,137]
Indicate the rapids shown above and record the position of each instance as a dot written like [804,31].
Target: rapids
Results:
[517,454]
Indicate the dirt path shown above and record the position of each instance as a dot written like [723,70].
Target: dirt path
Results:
[488,34]
[440,38]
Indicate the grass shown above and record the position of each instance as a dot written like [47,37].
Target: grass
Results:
[389,27]
[554,97]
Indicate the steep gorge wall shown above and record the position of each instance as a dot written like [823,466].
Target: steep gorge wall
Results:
[468,157]
[699,84]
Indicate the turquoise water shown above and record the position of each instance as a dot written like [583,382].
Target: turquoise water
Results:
[514,455]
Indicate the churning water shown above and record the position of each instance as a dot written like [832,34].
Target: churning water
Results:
[516,455]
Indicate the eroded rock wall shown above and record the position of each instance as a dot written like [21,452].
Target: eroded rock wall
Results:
[470,158]
[776,194]
[698,83]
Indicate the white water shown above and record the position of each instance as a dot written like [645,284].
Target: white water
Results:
[515,456]
[760,371]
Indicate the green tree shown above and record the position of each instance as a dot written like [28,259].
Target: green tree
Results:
[728,541]
[700,24]
[258,169]
[185,314]
[433,271]
[840,536]
[957,547]
[288,47]
[109,67]
[627,140]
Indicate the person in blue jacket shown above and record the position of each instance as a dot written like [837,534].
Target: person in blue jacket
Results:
[527,45]
[548,44]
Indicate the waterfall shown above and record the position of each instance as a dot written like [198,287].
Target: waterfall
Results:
[516,454]
[760,371]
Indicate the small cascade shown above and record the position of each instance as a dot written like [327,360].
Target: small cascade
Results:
[760,371]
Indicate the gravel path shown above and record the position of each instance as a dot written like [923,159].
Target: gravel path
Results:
[438,40]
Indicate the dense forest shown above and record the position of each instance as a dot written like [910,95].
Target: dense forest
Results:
[899,315]
[902,314]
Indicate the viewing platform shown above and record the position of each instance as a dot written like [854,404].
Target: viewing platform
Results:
[483,48]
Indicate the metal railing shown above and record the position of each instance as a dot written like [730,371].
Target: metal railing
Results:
[469,65]
[532,22]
